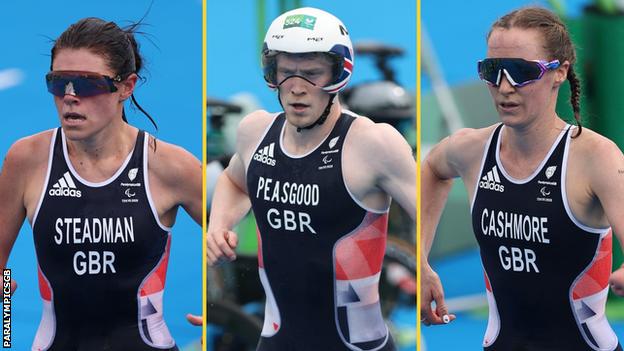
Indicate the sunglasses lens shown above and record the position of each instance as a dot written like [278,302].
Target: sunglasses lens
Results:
[56,85]
[83,85]
[520,71]
[90,86]
[523,71]
[489,69]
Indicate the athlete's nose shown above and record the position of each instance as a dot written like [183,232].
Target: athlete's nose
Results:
[70,99]
[505,86]
[298,85]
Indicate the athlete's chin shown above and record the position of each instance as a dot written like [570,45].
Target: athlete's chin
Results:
[511,120]
[299,120]
[75,133]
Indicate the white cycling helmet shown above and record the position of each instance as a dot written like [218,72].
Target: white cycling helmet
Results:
[308,30]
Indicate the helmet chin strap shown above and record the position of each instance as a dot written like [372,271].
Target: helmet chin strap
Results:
[321,118]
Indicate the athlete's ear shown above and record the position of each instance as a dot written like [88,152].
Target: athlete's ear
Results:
[561,73]
[126,86]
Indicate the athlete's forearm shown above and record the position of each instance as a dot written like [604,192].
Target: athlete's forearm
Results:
[229,204]
[434,192]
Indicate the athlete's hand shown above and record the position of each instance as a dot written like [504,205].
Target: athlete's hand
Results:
[195,320]
[13,286]
[617,281]
[431,290]
[221,244]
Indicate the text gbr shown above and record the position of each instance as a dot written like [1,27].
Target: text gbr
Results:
[291,194]
[515,226]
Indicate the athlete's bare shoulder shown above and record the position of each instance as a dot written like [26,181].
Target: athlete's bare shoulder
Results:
[252,126]
[377,163]
[250,129]
[24,169]
[175,177]
[595,170]
[30,151]
[592,147]
[376,153]
[375,139]
[463,150]
[594,154]
[470,142]
[170,162]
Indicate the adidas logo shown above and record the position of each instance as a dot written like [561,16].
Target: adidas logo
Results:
[492,181]
[265,155]
[65,186]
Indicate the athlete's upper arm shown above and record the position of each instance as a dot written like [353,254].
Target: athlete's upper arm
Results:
[605,164]
[438,163]
[12,187]
[230,200]
[236,172]
[181,173]
[456,154]
[391,158]
[250,130]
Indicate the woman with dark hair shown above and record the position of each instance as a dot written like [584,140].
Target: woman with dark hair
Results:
[101,197]
[545,197]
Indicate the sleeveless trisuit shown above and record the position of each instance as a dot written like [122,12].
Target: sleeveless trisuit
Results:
[546,273]
[102,256]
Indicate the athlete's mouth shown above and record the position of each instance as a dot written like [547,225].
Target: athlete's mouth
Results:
[299,105]
[73,116]
[508,104]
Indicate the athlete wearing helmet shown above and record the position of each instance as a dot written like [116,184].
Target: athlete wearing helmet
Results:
[298,36]
[319,180]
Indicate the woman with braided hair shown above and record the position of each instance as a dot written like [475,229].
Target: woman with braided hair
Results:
[545,197]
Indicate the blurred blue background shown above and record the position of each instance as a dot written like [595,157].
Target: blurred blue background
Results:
[172,95]
[456,31]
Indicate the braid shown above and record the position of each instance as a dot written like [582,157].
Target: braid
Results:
[575,98]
